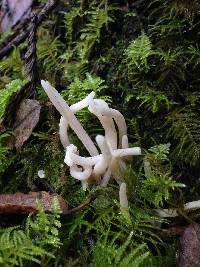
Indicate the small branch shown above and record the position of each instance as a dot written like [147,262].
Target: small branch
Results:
[26,203]
[81,206]
[170,213]
[31,58]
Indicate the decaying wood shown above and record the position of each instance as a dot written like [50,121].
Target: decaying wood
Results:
[26,203]
[190,247]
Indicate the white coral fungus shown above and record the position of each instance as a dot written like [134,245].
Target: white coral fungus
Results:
[113,147]
[122,196]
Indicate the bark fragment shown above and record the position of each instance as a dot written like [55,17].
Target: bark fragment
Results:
[26,203]
[190,247]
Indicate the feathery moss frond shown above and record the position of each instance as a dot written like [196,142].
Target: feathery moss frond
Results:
[79,89]
[118,255]
[138,53]
[19,246]
[154,100]
[49,58]
[13,65]
[184,128]
[7,92]
[4,150]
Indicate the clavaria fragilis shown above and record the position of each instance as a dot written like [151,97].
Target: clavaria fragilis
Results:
[124,201]
[187,207]
[123,196]
[69,116]
[113,146]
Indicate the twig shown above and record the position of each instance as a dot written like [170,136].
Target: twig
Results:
[187,207]
[31,58]
[81,206]
[26,203]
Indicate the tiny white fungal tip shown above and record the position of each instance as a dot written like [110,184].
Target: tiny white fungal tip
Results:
[91,95]
[84,185]
[147,168]
[43,83]
[41,174]
[100,139]
[123,197]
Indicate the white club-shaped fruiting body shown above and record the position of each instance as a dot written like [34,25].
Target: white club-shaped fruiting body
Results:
[113,147]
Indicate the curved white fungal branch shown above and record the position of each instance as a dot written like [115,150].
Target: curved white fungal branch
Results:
[69,116]
[106,177]
[119,120]
[189,206]
[97,106]
[64,124]
[102,165]
[113,147]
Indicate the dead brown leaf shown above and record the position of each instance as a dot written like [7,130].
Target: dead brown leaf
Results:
[27,118]
[190,247]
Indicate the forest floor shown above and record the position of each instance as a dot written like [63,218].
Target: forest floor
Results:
[121,186]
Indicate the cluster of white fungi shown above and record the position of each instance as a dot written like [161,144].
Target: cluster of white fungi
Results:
[109,159]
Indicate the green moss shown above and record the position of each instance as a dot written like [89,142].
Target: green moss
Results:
[144,59]
[5,94]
